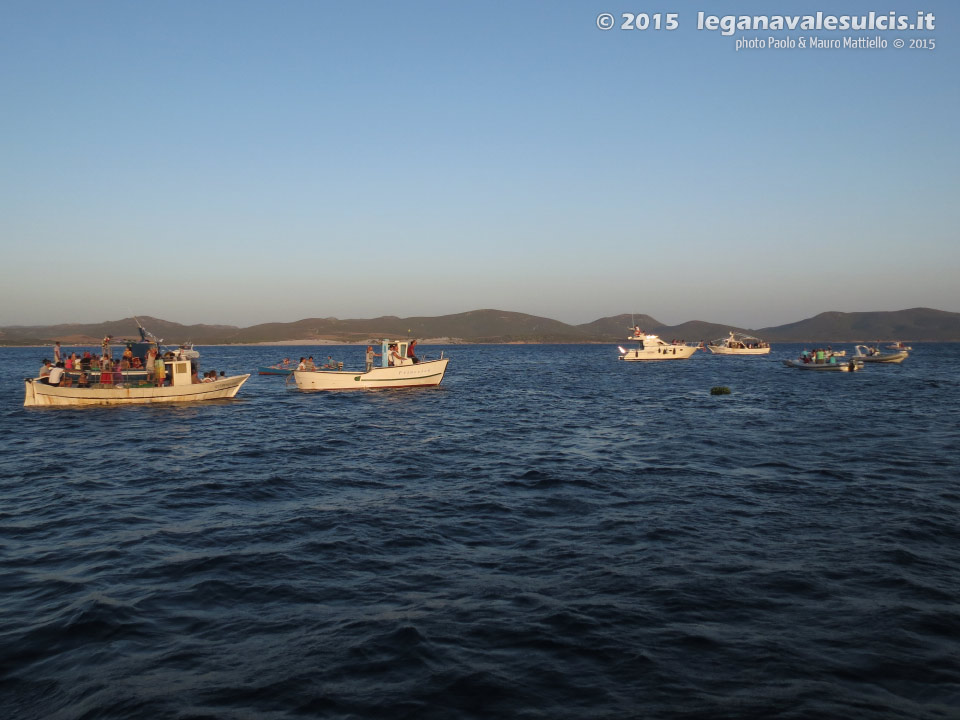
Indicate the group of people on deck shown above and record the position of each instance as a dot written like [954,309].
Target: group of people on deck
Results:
[818,356]
[309,364]
[110,371]
[393,359]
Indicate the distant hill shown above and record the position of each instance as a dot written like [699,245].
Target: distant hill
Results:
[618,326]
[93,333]
[501,326]
[916,324]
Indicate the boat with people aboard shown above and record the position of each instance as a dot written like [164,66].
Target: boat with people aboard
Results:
[185,386]
[145,373]
[651,347]
[824,361]
[284,367]
[739,344]
[399,367]
[872,354]
[899,345]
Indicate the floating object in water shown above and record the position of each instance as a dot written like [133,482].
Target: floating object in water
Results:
[720,390]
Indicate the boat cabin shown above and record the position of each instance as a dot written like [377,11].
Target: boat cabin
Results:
[387,348]
[180,372]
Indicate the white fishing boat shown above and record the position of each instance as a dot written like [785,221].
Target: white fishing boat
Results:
[181,389]
[186,350]
[739,344]
[651,347]
[397,370]
[872,354]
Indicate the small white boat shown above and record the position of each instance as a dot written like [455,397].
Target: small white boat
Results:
[651,347]
[187,351]
[830,365]
[898,345]
[181,389]
[397,370]
[871,354]
[739,344]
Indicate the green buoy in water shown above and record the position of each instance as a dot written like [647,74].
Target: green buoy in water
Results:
[720,390]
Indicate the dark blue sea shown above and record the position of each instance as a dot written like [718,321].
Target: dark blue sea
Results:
[549,534]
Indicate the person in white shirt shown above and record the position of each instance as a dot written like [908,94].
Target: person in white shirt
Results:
[56,374]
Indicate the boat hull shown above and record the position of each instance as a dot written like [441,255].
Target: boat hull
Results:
[883,357]
[274,371]
[824,367]
[653,354]
[38,394]
[423,374]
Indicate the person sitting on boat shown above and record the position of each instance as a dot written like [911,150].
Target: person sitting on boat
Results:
[45,370]
[303,364]
[56,374]
[394,358]
[330,364]
[209,376]
[194,377]
[83,381]
[128,354]
[135,364]
[85,361]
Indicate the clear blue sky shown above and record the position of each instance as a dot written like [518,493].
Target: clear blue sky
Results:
[243,162]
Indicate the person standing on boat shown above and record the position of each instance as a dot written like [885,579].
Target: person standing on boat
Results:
[56,352]
[370,356]
[148,363]
[159,370]
[410,353]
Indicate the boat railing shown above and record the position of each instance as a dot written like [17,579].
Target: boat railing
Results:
[427,357]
